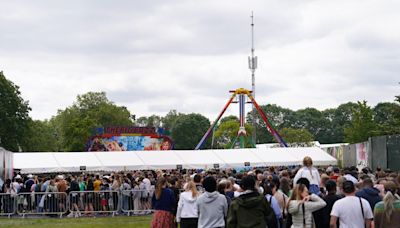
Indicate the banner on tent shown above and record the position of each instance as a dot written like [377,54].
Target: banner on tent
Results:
[129,139]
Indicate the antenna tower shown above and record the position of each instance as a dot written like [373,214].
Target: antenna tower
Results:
[253,67]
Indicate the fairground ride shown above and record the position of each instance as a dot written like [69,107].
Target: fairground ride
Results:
[242,135]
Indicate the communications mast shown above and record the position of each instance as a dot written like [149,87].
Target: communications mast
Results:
[253,67]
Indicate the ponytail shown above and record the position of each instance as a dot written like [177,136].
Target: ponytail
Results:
[388,201]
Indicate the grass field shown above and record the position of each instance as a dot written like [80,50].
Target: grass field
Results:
[120,221]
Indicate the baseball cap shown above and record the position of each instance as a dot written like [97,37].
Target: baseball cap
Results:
[351,178]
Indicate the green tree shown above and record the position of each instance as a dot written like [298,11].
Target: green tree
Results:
[337,119]
[387,116]
[169,120]
[42,137]
[151,121]
[279,117]
[314,121]
[229,118]
[227,131]
[188,131]
[76,123]
[291,135]
[362,125]
[14,115]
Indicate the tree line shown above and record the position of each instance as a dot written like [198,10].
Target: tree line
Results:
[71,127]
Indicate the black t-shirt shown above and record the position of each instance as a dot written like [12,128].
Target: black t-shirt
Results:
[322,216]
[74,186]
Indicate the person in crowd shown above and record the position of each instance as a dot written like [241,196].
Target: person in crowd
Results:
[147,184]
[259,182]
[137,196]
[187,213]
[82,183]
[351,211]
[51,199]
[301,205]
[97,183]
[281,197]
[369,192]
[367,171]
[96,195]
[163,202]
[126,193]
[8,205]
[250,209]
[74,200]
[387,212]
[269,188]
[221,187]
[62,186]
[197,180]
[116,184]
[311,173]
[173,183]
[322,217]
[285,186]
[211,205]
[322,187]
[335,174]
[105,195]
[89,197]
[144,195]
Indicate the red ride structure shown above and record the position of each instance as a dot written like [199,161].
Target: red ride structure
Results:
[242,132]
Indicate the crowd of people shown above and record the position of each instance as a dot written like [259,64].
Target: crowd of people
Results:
[280,197]
[306,197]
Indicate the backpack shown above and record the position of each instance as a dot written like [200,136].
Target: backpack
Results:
[271,221]
[38,188]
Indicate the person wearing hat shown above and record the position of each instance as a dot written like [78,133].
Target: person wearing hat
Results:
[351,211]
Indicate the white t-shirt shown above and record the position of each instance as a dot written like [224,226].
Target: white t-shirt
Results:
[311,174]
[147,183]
[348,210]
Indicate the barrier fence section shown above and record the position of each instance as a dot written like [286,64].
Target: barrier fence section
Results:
[42,203]
[136,202]
[7,204]
[90,203]
[77,203]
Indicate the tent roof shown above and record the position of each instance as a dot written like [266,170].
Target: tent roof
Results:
[44,162]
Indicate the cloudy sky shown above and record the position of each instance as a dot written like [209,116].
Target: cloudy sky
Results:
[154,56]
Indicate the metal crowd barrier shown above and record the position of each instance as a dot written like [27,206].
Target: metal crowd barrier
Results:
[90,203]
[42,203]
[7,204]
[136,202]
[76,204]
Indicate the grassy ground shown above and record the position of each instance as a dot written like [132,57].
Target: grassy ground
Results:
[120,221]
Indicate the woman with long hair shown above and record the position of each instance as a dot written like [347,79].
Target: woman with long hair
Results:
[187,214]
[163,202]
[301,205]
[311,173]
[387,212]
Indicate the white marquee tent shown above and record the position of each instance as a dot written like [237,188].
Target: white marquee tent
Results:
[45,162]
